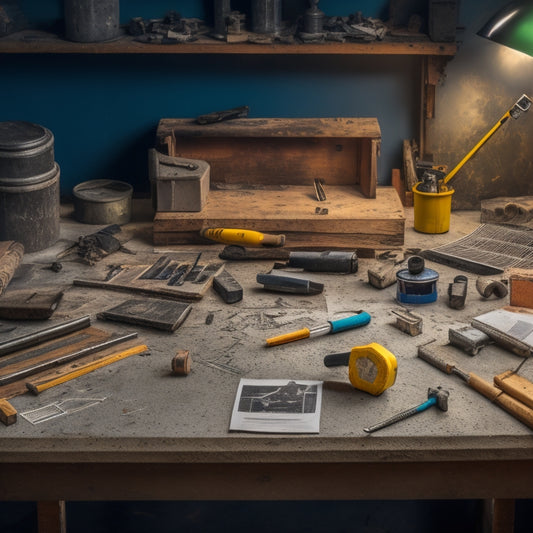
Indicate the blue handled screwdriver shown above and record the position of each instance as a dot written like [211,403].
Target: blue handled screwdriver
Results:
[362,318]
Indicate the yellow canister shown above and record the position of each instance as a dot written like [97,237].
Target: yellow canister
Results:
[432,210]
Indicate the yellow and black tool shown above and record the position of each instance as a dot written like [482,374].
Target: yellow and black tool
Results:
[242,237]
[433,182]
[371,368]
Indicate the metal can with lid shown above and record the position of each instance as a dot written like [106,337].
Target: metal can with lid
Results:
[416,284]
[103,202]
[26,150]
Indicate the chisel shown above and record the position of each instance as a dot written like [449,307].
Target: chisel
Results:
[242,237]
[362,318]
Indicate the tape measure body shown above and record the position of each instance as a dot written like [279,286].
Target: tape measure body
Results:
[372,368]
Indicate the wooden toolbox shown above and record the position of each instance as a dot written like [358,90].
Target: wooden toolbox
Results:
[262,178]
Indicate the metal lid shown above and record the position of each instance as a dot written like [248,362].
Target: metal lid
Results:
[427,275]
[20,135]
[103,191]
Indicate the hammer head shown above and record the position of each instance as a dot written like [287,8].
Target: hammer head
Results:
[441,396]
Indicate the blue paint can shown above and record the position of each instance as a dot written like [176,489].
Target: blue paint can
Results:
[416,284]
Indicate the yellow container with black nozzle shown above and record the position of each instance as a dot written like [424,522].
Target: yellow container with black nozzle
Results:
[371,368]
[432,197]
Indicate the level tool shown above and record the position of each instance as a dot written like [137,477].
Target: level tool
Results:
[371,368]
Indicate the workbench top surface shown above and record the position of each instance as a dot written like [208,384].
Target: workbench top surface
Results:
[145,414]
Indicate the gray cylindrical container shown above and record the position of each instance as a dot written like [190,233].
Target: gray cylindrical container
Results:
[26,150]
[266,16]
[91,21]
[103,202]
[29,210]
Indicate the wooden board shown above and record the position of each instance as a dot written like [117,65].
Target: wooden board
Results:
[51,349]
[508,210]
[352,221]
[149,312]
[132,279]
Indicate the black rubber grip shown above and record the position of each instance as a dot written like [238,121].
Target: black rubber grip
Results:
[337,359]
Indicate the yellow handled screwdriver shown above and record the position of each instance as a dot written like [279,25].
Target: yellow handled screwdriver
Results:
[243,237]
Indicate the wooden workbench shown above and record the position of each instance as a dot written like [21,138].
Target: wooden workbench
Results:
[153,436]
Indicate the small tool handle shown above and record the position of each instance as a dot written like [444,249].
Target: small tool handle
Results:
[289,337]
[337,359]
[354,321]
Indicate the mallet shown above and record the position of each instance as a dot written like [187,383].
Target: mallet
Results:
[438,397]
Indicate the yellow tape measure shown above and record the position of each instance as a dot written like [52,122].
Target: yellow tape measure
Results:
[371,368]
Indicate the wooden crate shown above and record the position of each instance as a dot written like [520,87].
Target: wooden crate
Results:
[262,178]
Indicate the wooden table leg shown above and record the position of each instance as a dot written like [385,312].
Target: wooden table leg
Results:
[51,517]
[503,515]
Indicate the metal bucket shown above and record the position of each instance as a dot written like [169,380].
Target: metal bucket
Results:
[29,210]
[91,21]
[103,202]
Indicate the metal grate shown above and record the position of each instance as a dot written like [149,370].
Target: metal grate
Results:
[489,249]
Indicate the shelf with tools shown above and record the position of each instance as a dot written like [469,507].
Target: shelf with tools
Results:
[39,42]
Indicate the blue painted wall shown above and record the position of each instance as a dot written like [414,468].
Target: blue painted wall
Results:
[104,109]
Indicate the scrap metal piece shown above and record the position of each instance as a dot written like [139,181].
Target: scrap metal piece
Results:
[457,292]
[272,282]
[319,189]
[469,339]
[408,322]
[488,287]
[219,116]
[227,287]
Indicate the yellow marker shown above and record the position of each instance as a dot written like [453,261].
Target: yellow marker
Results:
[242,237]
[38,387]
[371,368]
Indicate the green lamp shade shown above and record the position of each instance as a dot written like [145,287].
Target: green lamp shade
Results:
[512,26]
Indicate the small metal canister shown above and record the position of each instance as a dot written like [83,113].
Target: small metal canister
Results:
[416,284]
[103,202]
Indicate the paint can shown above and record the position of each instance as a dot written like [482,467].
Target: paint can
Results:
[416,284]
[29,186]
[91,21]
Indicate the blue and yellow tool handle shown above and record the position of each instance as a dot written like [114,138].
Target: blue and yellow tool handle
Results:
[354,321]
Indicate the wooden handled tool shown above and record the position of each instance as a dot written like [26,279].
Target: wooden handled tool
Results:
[520,411]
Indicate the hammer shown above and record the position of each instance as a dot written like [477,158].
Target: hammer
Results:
[438,397]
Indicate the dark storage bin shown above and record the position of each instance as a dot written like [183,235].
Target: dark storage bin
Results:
[29,186]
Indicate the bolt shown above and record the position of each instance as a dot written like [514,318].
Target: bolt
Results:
[438,397]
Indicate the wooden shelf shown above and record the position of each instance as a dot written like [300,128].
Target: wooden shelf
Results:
[38,42]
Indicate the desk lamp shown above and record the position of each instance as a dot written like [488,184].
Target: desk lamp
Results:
[512,26]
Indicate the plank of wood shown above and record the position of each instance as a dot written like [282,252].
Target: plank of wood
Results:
[351,220]
[149,312]
[130,279]
[516,386]
[38,386]
[508,210]
[11,254]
